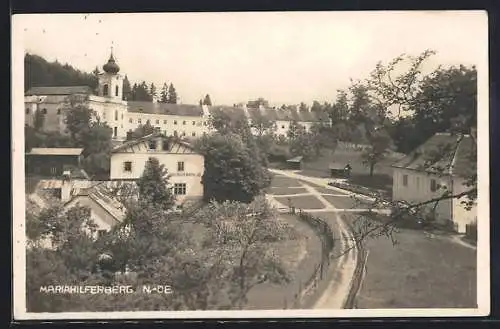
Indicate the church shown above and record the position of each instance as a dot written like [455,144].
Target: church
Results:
[182,120]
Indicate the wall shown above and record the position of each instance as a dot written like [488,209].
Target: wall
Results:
[166,123]
[192,174]
[105,108]
[419,190]
[53,120]
[462,216]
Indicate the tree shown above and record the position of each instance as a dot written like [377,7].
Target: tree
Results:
[316,107]
[207,100]
[262,124]
[303,107]
[172,94]
[153,185]
[231,172]
[141,131]
[379,142]
[38,120]
[127,90]
[294,130]
[164,94]
[152,91]
[244,235]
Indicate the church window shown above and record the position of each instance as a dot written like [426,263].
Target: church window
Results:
[193,134]
[116,91]
[105,90]
[116,115]
[115,131]
[175,122]
[27,111]
[131,120]
[184,122]
[44,111]
[139,121]
[157,122]
[58,111]
[194,123]
[164,122]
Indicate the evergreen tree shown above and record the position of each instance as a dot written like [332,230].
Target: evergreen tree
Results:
[153,185]
[207,100]
[172,94]
[164,94]
[127,91]
[152,91]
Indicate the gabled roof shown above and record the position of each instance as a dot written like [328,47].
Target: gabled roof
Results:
[442,153]
[164,108]
[59,90]
[175,143]
[55,151]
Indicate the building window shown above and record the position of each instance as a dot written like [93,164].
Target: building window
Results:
[193,134]
[139,121]
[165,145]
[204,123]
[282,126]
[194,123]
[152,145]
[116,115]
[164,122]
[58,111]
[405,180]
[175,133]
[44,111]
[27,111]
[100,233]
[131,120]
[184,122]
[180,188]
[180,166]
[434,186]
[157,121]
[127,166]
[183,133]
[175,122]
[53,170]
[105,90]
[116,91]
[122,116]
[115,131]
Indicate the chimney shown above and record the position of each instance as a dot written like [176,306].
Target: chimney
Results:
[66,186]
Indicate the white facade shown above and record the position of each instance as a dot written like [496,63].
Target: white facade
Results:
[184,167]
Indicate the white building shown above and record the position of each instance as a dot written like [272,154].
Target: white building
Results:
[124,116]
[442,164]
[184,166]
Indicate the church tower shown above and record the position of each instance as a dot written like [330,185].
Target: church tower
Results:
[110,82]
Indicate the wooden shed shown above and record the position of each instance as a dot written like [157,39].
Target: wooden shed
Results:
[295,163]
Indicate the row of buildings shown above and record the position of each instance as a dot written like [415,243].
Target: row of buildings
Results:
[124,116]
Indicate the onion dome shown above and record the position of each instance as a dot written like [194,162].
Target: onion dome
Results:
[111,66]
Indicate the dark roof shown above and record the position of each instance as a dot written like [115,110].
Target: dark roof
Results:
[231,111]
[442,153]
[59,90]
[296,159]
[55,151]
[164,108]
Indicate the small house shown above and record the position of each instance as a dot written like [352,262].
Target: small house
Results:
[53,161]
[339,170]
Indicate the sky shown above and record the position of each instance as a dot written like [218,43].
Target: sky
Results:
[285,57]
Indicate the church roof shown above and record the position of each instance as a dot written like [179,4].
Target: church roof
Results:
[448,153]
[164,108]
[59,90]
[111,66]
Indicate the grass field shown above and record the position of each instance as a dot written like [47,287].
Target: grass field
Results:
[418,272]
[302,202]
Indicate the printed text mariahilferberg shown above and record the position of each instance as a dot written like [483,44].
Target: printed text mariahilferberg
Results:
[93,290]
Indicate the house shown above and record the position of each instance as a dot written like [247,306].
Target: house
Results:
[294,163]
[185,167]
[52,161]
[441,165]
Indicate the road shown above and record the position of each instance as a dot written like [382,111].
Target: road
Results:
[342,269]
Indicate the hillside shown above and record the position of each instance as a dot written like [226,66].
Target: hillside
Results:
[39,72]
